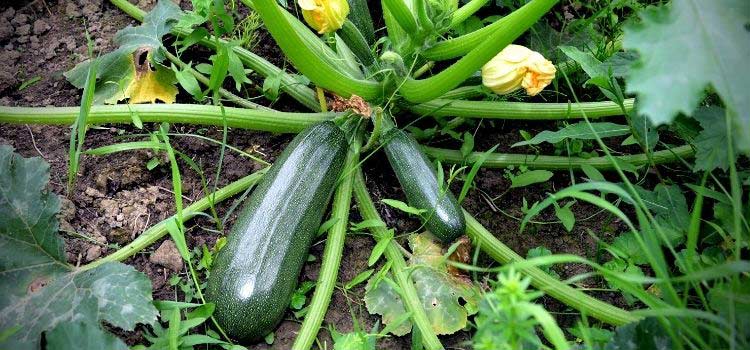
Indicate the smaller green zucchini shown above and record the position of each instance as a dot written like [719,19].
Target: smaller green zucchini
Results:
[417,176]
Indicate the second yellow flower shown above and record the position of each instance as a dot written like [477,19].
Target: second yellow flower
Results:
[518,67]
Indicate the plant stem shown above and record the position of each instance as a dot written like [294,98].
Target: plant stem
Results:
[466,11]
[273,121]
[546,283]
[289,84]
[398,267]
[312,59]
[502,160]
[156,232]
[329,267]
[519,110]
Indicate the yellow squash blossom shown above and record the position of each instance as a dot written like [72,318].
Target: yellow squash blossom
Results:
[518,67]
[325,16]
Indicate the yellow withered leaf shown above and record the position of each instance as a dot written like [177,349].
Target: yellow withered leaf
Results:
[150,83]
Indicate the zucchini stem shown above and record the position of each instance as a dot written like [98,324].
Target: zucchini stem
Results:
[398,267]
[263,120]
[503,160]
[520,110]
[545,282]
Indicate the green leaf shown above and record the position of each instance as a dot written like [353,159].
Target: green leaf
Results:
[382,298]
[468,145]
[34,271]
[379,248]
[299,296]
[577,131]
[237,71]
[82,335]
[440,292]
[711,142]
[134,66]
[530,177]
[324,227]
[113,292]
[627,245]
[272,85]
[188,82]
[541,251]
[647,334]
[592,173]
[619,64]
[359,278]
[592,66]
[670,208]
[686,46]
[30,250]
[403,206]
[566,216]
[726,298]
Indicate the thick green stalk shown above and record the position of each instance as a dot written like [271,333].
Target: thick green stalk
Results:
[543,281]
[156,232]
[329,267]
[463,92]
[519,110]
[289,84]
[466,11]
[403,15]
[457,47]
[533,161]
[305,56]
[273,121]
[398,267]
[424,90]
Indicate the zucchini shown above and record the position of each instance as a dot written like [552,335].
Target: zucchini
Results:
[253,277]
[444,217]
[359,14]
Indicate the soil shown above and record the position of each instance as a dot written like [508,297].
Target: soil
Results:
[116,196]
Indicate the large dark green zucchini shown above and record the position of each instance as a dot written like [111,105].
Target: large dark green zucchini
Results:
[417,177]
[253,277]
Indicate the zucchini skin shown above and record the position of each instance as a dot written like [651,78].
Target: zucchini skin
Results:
[417,177]
[254,275]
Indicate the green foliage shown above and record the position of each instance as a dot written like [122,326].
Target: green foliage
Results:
[299,297]
[578,131]
[524,177]
[178,334]
[507,319]
[35,270]
[448,299]
[647,334]
[711,142]
[125,66]
[686,46]
[541,251]
[82,335]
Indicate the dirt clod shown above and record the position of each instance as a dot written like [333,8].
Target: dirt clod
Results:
[93,253]
[23,30]
[168,256]
[40,27]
